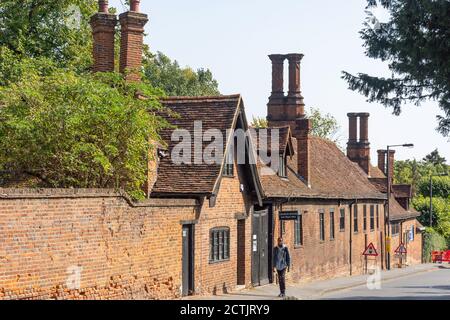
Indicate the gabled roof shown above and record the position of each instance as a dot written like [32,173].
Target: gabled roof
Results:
[218,113]
[397,212]
[375,172]
[333,176]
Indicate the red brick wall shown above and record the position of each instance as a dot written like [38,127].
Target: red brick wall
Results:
[317,259]
[414,248]
[126,251]
[231,205]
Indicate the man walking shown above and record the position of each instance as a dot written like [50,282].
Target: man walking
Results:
[281,262]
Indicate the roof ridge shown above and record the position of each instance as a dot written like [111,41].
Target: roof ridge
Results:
[201,98]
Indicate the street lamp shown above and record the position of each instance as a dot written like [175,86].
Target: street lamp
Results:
[387,223]
[431,194]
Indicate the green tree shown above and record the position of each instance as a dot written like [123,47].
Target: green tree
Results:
[441,187]
[435,158]
[441,213]
[174,80]
[414,172]
[58,30]
[415,42]
[71,130]
[259,123]
[323,125]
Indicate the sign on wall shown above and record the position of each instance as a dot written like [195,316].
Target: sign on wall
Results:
[288,215]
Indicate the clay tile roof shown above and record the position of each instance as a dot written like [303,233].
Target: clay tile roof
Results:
[333,175]
[397,212]
[375,172]
[217,112]
[379,183]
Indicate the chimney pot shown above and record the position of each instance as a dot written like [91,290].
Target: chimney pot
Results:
[103,31]
[364,127]
[382,160]
[359,151]
[277,75]
[353,127]
[294,74]
[103,6]
[132,42]
[134,5]
[391,156]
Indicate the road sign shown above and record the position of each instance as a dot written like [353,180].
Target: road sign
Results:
[370,251]
[401,249]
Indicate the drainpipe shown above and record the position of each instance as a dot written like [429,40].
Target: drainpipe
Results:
[351,234]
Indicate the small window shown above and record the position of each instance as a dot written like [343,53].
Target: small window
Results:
[322,225]
[219,245]
[282,164]
[228,168]
[378,217]
[342,220]
[332,224]
[395,229]
[355,219]
[365,218]
[282,227]
[372,218]
[298,231]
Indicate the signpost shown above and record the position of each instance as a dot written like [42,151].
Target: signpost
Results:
[370,251]
[401,250]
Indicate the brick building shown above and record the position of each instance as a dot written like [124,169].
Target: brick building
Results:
[207,227]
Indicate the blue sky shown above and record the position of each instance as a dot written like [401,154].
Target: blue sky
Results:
[234,37]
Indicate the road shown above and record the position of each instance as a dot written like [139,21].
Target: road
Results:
[431,285]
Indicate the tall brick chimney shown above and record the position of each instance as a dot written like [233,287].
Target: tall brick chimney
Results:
[359,150]
[283,110]
[391,156]
[132,40]
[289,110]
[302,134]
[382,160]
[103,26]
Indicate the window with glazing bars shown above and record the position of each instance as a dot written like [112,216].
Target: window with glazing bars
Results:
[365,218]
[228,168]
[378,217]
[332,224]
[282,164]
[322,225]
[298,236]
[342,220]
[219,245]
[372,218]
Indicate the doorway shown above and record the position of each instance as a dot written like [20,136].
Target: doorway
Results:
[260,248]
[188,260]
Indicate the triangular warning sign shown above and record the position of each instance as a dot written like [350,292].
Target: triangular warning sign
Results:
[370,251]
[401,249]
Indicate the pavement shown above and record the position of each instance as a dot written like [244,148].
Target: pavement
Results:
[423,275]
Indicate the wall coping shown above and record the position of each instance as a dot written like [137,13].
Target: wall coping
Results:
[28,193]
